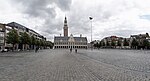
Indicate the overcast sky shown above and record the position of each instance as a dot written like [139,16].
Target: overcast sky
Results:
[110,17]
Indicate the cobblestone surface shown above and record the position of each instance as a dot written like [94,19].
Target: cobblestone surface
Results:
[86,65]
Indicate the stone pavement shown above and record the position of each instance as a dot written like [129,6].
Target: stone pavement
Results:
[86,65]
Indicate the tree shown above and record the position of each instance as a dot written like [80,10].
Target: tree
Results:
[41,42]
[107,43]
[49,44]
[113,44]
[119,43]
[134,43]
[33,42]
[146,43]
[44,43]
[100,44]
[13,37]
[103,43]
[126,43]
[25,39]
[37,43]
[96,45]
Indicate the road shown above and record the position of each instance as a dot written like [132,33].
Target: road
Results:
[86,65]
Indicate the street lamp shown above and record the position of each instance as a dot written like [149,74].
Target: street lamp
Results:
[91,31]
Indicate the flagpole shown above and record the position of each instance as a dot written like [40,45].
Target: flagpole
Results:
[91,32]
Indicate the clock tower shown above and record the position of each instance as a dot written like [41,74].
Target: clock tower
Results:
[65,28]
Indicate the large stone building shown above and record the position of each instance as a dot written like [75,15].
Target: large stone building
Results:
[69,41]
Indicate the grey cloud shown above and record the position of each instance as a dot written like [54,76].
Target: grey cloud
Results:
[39,8]
[78,16]
[45,10]
[126,33]
[78,19]
[120,33]
[64,4]
[121,30]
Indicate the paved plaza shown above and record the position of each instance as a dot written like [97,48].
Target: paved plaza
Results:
[86,65]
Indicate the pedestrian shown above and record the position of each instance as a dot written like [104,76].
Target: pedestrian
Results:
[36,49]
[75,50]
[70,49]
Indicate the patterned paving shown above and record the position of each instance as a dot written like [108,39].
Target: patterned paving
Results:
[86,65]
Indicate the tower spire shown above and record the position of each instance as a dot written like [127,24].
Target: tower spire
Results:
[65,21]
[65,27]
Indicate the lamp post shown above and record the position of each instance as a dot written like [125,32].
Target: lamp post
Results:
[91,32]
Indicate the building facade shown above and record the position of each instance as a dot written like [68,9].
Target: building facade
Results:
[135,41]
[2,36]
[6,28]
[69,41]
[140,38]
[115,42]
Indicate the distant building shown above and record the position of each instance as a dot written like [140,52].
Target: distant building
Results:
[115,42]
[108,40]
[139,38]
[69,41]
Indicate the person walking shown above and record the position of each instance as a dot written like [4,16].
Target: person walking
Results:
[75,50]
[36,49]
[70,50]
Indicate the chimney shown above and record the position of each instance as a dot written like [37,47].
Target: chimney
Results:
[60,35]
